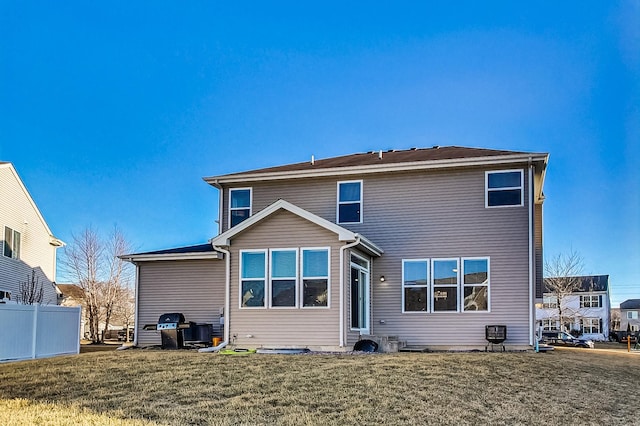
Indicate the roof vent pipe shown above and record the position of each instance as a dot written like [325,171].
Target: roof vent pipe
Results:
[380,154]
[436,147]
[313,160]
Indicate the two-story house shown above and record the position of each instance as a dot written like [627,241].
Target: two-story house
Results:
[27,242]
[426,245]
[630,315]
[586,310]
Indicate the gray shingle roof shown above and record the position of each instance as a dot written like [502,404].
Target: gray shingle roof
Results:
[591,283]
[200,248]
[630,304]
[388,157]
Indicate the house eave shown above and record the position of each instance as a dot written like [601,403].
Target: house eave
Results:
[171,256]
[379,168]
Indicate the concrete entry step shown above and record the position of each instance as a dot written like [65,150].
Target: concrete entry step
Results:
[413,348]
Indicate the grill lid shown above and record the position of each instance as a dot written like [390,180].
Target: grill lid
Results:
[172,317]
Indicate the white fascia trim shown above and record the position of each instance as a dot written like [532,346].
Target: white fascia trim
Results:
[224,239]
[171,256]
[380,168]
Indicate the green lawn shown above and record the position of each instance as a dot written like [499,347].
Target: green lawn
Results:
[183,387]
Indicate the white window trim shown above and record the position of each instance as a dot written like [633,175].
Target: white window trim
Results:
[14,256]
[296,278]
[456,286]
[266,280]
[240,208]
[338,202]
[367,270]
[591,298]
[427,285]
[302,278]
[591,320]
[463,285]
[506,188]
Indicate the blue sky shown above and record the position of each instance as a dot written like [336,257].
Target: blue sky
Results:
[113,112]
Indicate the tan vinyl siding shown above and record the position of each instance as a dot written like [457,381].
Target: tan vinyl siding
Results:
[286,327]
[428,214]
[18,213]
[195,288]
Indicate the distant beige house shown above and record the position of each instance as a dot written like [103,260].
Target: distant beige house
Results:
[630,315]
[73,295]
[423,246]
[27,242]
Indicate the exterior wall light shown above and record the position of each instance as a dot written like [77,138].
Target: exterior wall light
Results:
[382,278]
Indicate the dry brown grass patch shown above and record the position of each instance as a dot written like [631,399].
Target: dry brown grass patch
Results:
[183,387]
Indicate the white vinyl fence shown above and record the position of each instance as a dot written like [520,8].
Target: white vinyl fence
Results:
[38,331]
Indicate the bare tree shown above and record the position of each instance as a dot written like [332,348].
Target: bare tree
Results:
[93,263]
[124,309]
[31,291]
[562,278]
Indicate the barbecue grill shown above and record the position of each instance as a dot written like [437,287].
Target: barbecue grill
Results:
[170,327]
[495,335]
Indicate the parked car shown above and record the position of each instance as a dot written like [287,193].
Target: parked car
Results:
[562,338]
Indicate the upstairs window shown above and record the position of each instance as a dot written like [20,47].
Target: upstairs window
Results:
[350,202]
[590,301]
[11,246]
[632,315]
[504,188]
[239,205]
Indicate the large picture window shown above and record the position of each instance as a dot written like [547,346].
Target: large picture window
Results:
[239,205]
[350,202]
[415,285]
[315,278]
[504,188]
[252,278]
[284,273]
[11,246]
[475,284]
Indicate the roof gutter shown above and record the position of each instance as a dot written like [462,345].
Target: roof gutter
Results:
[133,258]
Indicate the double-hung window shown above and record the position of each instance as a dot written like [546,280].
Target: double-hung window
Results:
[445,285]
[475,284]
[504,188]
[253,266]
[239,205]
[315,278]
[415,284]
[632,315]
[11,246]
[590,325]
[590,301]
[549,302]
[350,202]
[284,277]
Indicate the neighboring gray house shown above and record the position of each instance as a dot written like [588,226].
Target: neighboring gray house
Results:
[588,309]
[427,246]
[630,315]
[27,242]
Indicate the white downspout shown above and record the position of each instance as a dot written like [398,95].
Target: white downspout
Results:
[532,285]
[227,302]
[342,289]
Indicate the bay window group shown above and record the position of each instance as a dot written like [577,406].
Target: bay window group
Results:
[284,278]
